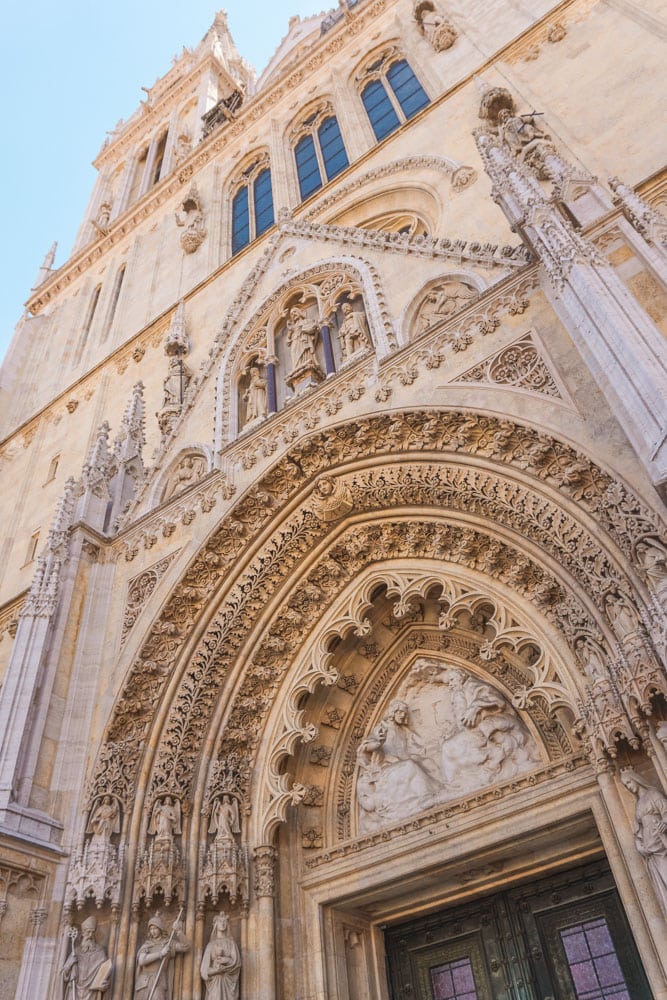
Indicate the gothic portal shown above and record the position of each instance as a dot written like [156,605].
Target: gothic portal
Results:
[335,456]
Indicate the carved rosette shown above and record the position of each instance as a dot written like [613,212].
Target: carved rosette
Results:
[265,870]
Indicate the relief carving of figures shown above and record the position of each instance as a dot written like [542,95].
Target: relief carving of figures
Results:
[650,829]
[155,960]
[86,973]
[449,734]
[353,331]
[395,776]
[103,823]
[190,217]
[221,962]
[225,819]
[188,471]
[166,819]
[440,32]
[442,301]
[255,397]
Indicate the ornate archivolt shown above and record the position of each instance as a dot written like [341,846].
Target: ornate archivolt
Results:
[388,615]
[490,499]
[326,294]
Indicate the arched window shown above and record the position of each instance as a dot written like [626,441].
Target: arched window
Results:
[90,315]
[115,294]
[252,205]
[319,151]
[391,93]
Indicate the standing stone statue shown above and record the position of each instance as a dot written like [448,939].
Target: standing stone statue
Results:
[104,822]
[225,819]
[650,829]
[87,971]
[166,819]
[155,972]
[221,962]
[353,332]
[255,397]
[302,334]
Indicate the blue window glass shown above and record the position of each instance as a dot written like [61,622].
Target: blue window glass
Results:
[409,92]
[240,220]
[379,109]
[333,149]
[307,167]
[263,202]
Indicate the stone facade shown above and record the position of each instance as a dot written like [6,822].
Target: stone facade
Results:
[335,564]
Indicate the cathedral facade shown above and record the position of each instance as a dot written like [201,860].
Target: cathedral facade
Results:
[334,556]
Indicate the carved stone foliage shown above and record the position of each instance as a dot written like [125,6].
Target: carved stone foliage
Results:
[520,365]
[139,590]
[440,32]
[534,516]
[445,734]
[443,300]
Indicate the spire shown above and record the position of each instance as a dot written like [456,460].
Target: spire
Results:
[643,217]
[43,595]
[176,342]
[131,437]
[47,266]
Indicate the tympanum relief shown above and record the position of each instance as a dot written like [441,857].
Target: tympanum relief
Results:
[443,300]
[447,734]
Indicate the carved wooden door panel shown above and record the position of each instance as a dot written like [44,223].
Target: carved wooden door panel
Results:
[563,938]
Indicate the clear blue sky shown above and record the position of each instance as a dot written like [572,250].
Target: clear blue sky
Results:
[68,72]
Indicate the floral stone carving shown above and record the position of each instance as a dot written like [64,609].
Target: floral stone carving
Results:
[447,735]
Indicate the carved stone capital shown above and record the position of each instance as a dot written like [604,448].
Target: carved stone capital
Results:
[264,857]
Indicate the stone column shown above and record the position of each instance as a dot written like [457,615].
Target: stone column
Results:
[329,362]
[621,345]
[633,880]
[265,859]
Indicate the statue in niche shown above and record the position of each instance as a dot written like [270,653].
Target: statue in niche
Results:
[101,223]
[441,33]
[221,962]
[165,821]
[87,971]
[652,557]
[103,823]
[445,299]
[650,829]
[225,820]
[353,331]
[255,397]
[190,217]
[622,616]
[154,975]
[188,471]
[182,147]
[524,136]
[302,334]
[448,734]
[592,660]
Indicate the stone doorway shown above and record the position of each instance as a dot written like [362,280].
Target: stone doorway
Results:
[565,937]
